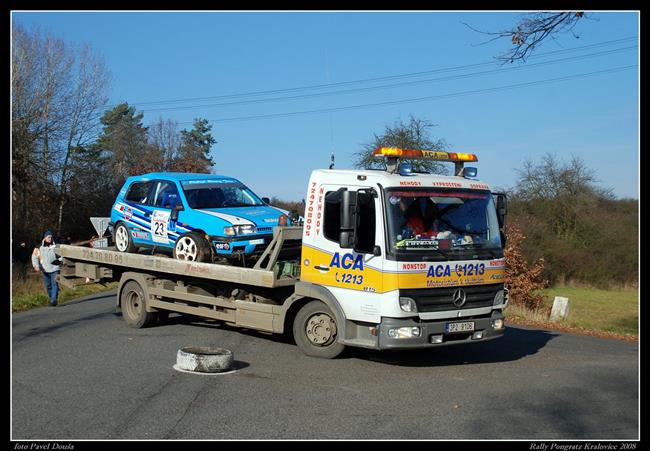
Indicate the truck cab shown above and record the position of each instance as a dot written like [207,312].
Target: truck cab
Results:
[412,259]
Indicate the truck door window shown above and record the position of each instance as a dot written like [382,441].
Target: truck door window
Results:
[332,216]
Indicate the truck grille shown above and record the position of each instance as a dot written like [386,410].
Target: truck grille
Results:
[440,299]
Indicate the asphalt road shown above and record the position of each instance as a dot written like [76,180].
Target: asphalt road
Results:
[79,372]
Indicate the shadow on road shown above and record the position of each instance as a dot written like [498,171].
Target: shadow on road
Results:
[54,327]
[196,321]
[514,345]
[89,298]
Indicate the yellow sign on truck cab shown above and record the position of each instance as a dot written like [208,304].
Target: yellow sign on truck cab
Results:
[350,270]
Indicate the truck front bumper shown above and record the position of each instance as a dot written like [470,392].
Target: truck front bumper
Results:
[483,327]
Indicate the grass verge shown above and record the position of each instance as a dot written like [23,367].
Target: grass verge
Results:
[29,292]
[605,313]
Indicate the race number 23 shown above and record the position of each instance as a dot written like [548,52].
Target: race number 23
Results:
[159,221]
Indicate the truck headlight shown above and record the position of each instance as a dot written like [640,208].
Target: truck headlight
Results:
[408,305]
[497,324]
[404,332]
[499,298]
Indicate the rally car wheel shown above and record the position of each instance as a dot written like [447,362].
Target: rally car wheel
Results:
[192,247]
[123,241]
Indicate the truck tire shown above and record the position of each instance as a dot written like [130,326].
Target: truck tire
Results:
[315,331]
[204,359]
[192,247]
[122,239]
[133,303]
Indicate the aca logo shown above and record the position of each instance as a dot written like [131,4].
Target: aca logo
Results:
[347,261]
[439,271]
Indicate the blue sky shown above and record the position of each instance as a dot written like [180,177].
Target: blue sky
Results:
[174,55]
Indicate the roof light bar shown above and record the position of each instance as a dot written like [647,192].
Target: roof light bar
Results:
[394,152]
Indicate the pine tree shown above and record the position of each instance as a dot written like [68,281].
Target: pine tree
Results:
[194,151]
[124,142]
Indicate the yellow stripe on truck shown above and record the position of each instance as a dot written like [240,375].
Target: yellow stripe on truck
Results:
[346,270]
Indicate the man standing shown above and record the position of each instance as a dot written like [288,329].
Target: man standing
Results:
[46,261]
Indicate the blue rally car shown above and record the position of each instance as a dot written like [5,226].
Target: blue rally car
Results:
[200,216]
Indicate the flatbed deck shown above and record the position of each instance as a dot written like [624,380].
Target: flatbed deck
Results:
[97,264]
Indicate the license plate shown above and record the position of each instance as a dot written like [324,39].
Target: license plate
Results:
[256,241]
[460,327]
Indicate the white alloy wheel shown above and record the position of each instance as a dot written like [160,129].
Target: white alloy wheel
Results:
[121,238]
[186,249]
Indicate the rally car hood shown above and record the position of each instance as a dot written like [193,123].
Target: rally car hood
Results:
[263,216]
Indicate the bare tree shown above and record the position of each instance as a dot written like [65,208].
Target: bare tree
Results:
[89,82]
[40,70]
[164,136]
[414,134]
[563,192]
[57,91]
[532,30]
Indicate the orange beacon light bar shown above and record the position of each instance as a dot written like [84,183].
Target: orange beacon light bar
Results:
[394,152]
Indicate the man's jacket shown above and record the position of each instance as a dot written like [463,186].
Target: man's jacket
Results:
[46,258]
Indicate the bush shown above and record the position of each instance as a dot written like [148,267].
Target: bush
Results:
[521,280]
[584,234]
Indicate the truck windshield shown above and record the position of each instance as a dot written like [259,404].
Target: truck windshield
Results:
[452,222]
[220,195]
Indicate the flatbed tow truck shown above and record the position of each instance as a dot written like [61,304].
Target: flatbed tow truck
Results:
[355,274]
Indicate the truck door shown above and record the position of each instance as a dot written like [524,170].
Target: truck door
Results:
[353,276]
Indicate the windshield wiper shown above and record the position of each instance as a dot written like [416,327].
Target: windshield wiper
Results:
[476,250]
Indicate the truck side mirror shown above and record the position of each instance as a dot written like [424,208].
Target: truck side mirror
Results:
[502,209]
[266,200]
[348,219]
[364,231]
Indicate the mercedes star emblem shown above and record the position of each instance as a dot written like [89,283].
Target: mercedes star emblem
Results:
[459,297]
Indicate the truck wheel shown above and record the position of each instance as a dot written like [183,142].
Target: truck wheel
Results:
[315,331]
[132,300]
[192,247]
[122,239]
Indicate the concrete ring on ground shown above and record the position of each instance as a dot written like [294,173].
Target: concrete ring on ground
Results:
[198,359]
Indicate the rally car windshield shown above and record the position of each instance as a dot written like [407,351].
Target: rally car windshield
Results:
[447,221]
[220,195]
